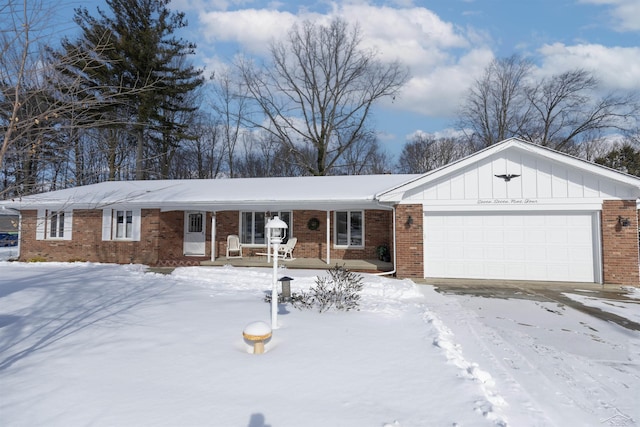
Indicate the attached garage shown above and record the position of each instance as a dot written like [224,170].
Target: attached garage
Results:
[549,246]
[519,211]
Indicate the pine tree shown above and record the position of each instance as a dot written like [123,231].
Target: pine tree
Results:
[624,158]
[131,57]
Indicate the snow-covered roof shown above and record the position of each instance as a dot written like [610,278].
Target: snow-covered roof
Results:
[322,193]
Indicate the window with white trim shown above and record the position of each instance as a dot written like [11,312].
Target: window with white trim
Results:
[349,228]
[252,231]
[54,224]
[121,224]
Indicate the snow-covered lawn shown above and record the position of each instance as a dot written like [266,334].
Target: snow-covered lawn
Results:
[104,345]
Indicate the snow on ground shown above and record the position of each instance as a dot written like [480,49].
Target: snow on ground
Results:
[104,345]
[627,309]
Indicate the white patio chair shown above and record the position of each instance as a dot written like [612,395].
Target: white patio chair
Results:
[234,246]
[286,251]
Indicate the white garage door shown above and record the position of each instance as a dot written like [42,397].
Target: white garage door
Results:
[540,246]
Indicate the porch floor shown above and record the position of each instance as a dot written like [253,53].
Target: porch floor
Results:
[364,266]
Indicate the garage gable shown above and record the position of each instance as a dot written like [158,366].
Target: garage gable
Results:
[513,173]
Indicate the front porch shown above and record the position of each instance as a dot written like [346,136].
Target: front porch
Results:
[359,265]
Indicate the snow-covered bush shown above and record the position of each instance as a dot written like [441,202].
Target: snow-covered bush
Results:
[340,291]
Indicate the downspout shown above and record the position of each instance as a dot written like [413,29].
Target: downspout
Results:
[393,270]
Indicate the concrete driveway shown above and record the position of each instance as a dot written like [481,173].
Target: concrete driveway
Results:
[541,291]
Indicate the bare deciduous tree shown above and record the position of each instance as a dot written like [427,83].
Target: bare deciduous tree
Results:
[364,157]
[203,156]
[229,100]
[264,156]
[44,111]
[496,106]
[425,152]
[19,69]
[318,91]
[565,107]
[562,111]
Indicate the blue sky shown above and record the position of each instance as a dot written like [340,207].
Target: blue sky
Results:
[446,44]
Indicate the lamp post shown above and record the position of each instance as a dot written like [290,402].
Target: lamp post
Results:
[276,231]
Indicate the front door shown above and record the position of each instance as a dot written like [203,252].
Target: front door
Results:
[194,233]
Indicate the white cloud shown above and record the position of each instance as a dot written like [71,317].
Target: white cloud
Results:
[438,91]
[252,29]
[617,68]
[444,133]
[625,13]
[443,59]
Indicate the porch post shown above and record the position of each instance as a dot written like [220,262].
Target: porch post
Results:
[328,237]
[213,236]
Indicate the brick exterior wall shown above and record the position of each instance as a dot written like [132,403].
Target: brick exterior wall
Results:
[171,240]
[620,244]
[87,244]
[226,223]
[162,236]
[312,243]
[410,241]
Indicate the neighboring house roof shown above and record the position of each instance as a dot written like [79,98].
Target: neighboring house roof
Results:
[514,155]
[271,194]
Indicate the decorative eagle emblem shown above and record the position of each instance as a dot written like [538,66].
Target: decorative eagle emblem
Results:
[507,177]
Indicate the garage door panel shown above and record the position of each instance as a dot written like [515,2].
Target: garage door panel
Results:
[513,221]
[514,235]
[494,268]
[515,254]
[557,236]
[510,245]
[472,253]
[533,236]
[578,254]
[558,252]
[496,254]
[473,235]
[455,235]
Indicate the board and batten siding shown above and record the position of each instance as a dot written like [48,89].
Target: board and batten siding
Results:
[540,181]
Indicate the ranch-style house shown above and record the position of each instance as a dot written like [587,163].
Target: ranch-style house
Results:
[513,211]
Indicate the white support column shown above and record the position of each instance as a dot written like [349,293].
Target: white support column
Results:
[328,237]
[213,236]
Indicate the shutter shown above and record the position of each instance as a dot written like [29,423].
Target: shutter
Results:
[41,221]
[136,225]
[106,224]
[68,225]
